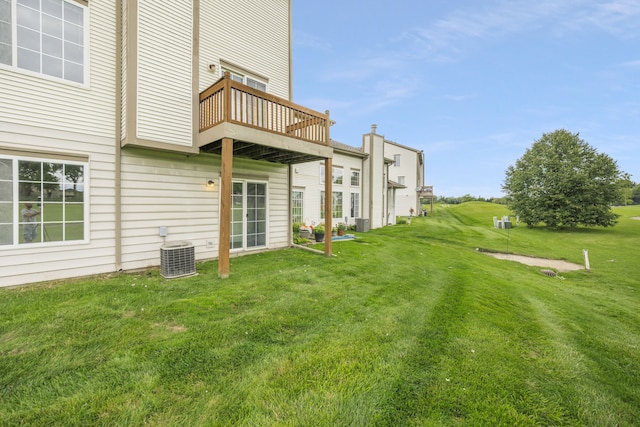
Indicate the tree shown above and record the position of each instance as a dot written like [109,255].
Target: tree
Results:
[635,194]
[626,189]
[563,182]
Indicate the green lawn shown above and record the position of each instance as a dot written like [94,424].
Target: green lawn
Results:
[407,325]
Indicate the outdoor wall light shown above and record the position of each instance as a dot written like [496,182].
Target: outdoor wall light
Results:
[211,183]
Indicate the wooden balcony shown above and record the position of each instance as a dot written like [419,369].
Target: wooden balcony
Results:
[426,191]
[263,126]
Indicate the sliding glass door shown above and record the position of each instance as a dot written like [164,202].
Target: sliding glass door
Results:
[248,215]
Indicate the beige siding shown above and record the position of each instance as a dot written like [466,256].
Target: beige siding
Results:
[165,37]
[306,178]
[44,115]
[45,102]
[40,262]
[237,32]
[374,178]
[162,189]
[123,71]
[406,198]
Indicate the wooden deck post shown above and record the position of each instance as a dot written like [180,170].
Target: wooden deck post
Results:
[328,192]
[224,225]
[328,202]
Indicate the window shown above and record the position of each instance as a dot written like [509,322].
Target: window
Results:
[45,36]
[336,204]
[256,84]
[247,107]
[6,54]
[401,180]
[396,160]
[337,175]
[355,205]
[297,199]
[41,201]
[241,78]
[355,178]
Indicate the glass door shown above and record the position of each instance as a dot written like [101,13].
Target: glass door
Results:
[248,215]
[256,214]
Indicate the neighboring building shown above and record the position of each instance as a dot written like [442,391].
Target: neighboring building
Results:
[118,125]
[377,182]
[309,196]
[407,170]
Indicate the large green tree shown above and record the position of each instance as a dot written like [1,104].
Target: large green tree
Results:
[562,181]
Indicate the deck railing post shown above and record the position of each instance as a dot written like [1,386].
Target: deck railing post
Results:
[227,96]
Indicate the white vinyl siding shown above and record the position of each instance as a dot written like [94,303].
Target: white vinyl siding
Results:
[160,189]
[94,255]
[40,114]
[407,172]
[238,39]
[123,71]
[165,52]
[40,101]
[310,177]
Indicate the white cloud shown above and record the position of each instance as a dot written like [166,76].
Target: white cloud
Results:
[631,64]
[618,17]
[459,98]
[445,38]
[309,41]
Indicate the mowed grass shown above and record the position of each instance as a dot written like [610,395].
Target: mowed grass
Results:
[407,325]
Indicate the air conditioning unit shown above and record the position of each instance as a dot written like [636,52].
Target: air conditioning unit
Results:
[362,225]
[177,259]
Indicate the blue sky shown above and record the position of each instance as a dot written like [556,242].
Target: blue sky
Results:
[471,83]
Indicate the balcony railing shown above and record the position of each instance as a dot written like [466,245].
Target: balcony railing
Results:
[233,102]
[426,191]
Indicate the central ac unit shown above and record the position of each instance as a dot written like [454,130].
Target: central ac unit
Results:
[177,259]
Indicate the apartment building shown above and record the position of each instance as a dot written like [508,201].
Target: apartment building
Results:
[128,125]
[376,182]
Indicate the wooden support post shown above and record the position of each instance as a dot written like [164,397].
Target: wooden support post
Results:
[328,202]
[224,225]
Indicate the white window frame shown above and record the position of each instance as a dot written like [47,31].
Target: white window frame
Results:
[13,5]
[337,175]
[249,80]
[245,221]
[355,205]
[16,204]
[297,203]
[355,173]
[396,160]
[335,195]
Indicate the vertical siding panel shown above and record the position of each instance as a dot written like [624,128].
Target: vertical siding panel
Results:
[165,45]
[233,31]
